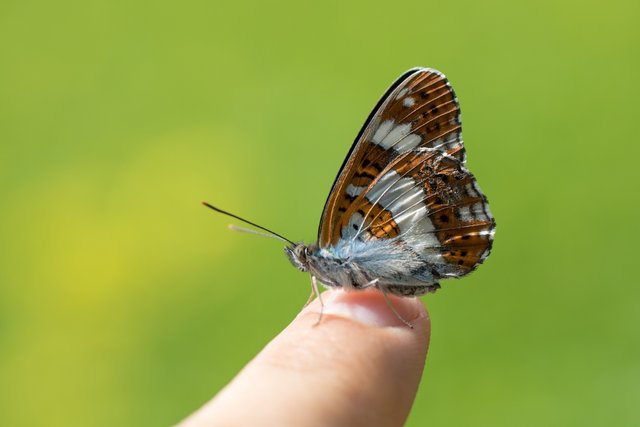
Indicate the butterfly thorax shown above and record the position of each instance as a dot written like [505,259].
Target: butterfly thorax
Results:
[330,267]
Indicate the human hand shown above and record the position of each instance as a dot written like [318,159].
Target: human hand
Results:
[360,366]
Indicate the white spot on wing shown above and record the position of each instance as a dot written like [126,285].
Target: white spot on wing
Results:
[402,93]
[407,143]
[390,184]
[411,216]
[398,137]
[452,138]
[465,213]
[421,237]
[397,133]
[353,190]
[478,211]
[471,189]
[382,131]
[409,102]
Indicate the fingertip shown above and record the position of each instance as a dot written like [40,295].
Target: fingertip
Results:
[360,365]
[370,308]
[361,348]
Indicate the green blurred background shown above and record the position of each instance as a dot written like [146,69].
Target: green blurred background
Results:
[125,302]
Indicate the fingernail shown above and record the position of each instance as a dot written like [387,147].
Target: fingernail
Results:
[370,308]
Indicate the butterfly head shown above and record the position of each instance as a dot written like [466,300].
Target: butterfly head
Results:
[299,255]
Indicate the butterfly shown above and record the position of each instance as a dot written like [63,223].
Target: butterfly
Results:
[404,212]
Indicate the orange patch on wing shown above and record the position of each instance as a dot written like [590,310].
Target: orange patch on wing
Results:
[378,222]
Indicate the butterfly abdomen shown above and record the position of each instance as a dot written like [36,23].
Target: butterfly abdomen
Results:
[356,264]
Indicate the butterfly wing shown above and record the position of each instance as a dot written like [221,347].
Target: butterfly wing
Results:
[405,180]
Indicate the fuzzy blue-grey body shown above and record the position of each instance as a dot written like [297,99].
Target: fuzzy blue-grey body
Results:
[355,264]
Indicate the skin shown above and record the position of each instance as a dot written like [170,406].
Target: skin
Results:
[359,367]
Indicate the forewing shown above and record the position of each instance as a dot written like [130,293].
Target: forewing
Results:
[419,110]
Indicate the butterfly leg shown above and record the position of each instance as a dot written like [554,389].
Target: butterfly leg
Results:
[311,297]
[314,289]
[371,283]
[393,309]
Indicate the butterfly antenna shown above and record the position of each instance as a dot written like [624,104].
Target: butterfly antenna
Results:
[233,227]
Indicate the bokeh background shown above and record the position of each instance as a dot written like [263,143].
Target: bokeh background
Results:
[124,302]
